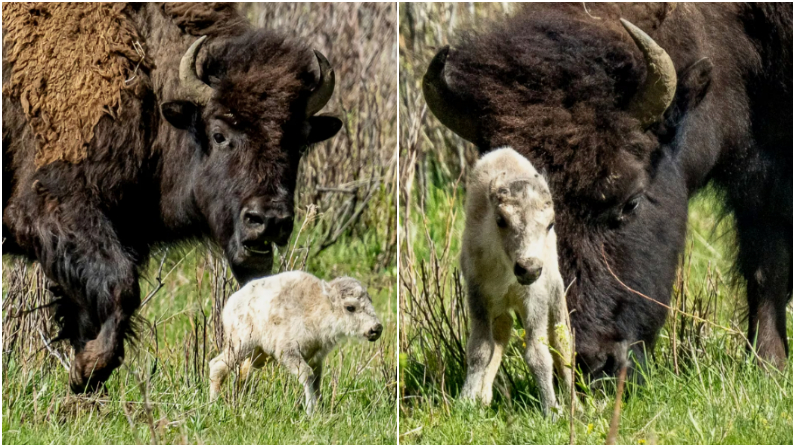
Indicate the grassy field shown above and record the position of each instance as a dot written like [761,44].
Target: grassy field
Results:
[161,394]
[347,187]
[701,387]
[711,393]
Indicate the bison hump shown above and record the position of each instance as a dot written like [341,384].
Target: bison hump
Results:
[69,64]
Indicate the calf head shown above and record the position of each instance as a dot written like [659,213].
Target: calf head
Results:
[353,309]
[576,97]
[249,118]
[522,220]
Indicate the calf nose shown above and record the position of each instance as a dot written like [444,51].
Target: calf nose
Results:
[375,332]
[527,271]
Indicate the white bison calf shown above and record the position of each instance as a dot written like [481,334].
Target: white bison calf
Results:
[510,263]
[296,319]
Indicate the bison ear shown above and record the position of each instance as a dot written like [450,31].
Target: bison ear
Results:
[322,127]
[694,84]
[180,114]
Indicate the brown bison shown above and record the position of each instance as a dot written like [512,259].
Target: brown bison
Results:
[203,143]
[628,126]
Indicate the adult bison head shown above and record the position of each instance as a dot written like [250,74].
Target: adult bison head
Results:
[249,118]
[589,102]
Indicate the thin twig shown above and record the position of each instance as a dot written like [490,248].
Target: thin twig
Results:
[143,385]
[572,391]
[52,351]
[159,280]
[612,434]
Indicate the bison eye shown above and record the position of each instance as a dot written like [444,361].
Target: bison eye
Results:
[218,138]
[630,206]
[350,309]
[501,221]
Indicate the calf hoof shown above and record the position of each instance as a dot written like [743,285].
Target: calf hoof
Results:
[553,413]
[91,367]
[310,408]
[215,391]
[471,394]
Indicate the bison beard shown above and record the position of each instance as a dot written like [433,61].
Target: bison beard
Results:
[562,86]
[218,163]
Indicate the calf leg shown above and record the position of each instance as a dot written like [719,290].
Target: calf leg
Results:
[560,340]
[219,370]
[296,364]
[501,331]
[480,347]
[539,359]
[317,374]
[256,360]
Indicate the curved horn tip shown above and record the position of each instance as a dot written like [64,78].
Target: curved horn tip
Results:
[444,103]
[329,79]
[194,89]
[321,57]
[659,88]
[439,60]
[322,94]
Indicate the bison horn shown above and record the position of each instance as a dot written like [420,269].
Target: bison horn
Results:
[193,89]
[445,104]
[657,92]
[320,96]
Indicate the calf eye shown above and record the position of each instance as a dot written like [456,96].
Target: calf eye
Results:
[218,138]
[350,309]
[501,221]
[550,226]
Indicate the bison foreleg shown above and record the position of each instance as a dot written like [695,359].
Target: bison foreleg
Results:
[80,251]
[766,263]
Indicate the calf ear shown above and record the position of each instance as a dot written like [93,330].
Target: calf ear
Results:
[180,114]
[498,192]
[322,127]
[694,84]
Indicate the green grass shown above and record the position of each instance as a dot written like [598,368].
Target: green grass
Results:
[358,405]
[710,392]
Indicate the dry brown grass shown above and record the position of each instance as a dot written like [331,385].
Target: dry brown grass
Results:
[347,184]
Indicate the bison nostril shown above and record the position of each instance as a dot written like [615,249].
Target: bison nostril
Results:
[253,219]
[518,270]
[280,229]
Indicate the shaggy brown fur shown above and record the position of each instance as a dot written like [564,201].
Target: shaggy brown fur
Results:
[70,63]
[212,19]
[162,169]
